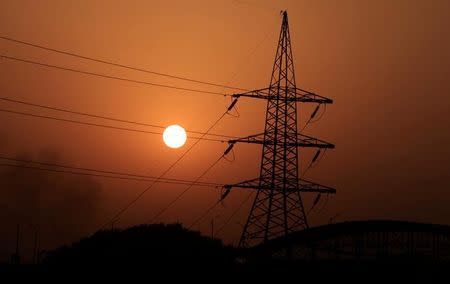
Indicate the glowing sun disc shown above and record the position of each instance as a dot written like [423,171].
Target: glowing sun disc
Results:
[174,136]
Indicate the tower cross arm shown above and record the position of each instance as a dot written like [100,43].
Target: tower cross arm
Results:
[301,95]
[299,185]
[302,141]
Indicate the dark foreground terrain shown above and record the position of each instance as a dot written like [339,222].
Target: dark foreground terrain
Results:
[161,251]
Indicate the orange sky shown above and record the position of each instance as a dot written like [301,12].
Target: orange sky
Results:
[385,63]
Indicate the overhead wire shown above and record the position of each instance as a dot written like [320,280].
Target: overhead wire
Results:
[120,78]
[123,79]
[158,179]
[94,124]
[204,214]
[103,125]
[108,62]
[132,202]
[104,117]
[115,173]
[178,197]
[236,116]
[240,68]
[233,214]
[109,76]
[232,106]
[103,175]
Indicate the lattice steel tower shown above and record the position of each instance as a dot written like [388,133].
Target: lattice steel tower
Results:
[278,208]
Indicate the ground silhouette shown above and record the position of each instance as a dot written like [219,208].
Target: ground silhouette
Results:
[156,246]
[170,251]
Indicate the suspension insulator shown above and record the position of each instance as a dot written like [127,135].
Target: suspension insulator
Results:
[317,199]
[315,156]
[230,147]
[227,191]
[233,103]
[315,111]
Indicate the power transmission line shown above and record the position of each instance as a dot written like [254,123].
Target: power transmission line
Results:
[105,117]
[120,212]
[234,213]
[101,175]
[122,78]
[252,52]
[101,125]
[209,168]
[204,214]
[134,176]
[118,64]
[184,191]
[109,76]
[126,79]
[216,203]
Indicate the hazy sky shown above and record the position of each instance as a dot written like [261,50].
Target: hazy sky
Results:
[386,65]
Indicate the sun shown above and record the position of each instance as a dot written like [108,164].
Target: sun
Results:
[174,136]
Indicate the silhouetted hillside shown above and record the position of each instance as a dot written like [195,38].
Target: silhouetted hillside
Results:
[171,251]
[152,246]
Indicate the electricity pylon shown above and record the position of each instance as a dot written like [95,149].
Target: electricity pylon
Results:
[278,208]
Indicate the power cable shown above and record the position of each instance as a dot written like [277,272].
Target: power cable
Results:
[118,64]
[102,175]
[109,76]
[233,103]
[135,176]
[184,191]
[104,117]
[223,156]
[234,213]
[120,212]
[204,214]
[102,125]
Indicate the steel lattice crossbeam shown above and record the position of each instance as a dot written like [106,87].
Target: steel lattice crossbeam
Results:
[301,141]
[301,95]
[291,185]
